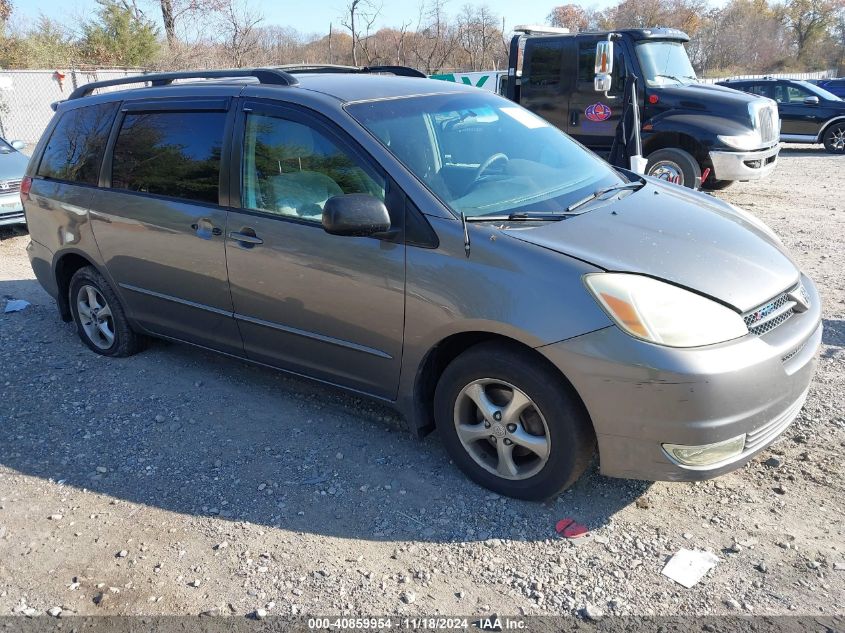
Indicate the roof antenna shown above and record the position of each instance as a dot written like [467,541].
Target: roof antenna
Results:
[466,233]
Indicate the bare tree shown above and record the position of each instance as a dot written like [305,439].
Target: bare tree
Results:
[435,40]
[358,14]
[240,24]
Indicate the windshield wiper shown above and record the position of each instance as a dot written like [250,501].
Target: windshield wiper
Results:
[522,216]
[601,192]
[672,77]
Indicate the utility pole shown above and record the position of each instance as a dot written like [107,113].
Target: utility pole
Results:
[331,59]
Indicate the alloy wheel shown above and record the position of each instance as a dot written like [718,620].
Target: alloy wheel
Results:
[95,315]
[837,138]
[502,429]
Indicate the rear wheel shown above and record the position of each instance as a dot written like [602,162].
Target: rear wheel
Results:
[834,138]
[511,423]
[99,316]
[674,165]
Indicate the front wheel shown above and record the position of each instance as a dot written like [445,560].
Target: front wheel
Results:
[834,139]
[716,185]
[674,165]
[512,423]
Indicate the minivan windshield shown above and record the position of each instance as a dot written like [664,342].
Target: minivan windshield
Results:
[484,155]
[665,63]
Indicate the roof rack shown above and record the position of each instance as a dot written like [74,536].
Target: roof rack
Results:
[400,71]
[274,76]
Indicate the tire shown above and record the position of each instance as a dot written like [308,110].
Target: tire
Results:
[834,138]
[672,163]
[716,185]
[90,291]
[555,414]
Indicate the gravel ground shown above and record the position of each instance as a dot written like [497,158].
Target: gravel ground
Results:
[155,485]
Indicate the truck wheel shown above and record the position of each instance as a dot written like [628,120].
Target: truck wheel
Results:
[716,185]
[511,423]
[674,165]
[834,139]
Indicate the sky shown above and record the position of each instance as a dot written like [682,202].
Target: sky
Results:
[319,13]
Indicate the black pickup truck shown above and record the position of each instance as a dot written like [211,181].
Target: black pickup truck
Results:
[691,132]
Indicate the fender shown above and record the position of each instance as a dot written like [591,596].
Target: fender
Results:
[836,119]
[704,128]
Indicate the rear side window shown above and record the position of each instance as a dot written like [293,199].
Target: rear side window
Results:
[546,59]
[174,154]
[76,146]
[764,90]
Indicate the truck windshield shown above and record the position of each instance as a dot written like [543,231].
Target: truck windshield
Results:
[665,63]
[484,155]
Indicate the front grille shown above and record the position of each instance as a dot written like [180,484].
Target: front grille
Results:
[9,186]
[767,127]
[792,353]
[760,437]
[775,312]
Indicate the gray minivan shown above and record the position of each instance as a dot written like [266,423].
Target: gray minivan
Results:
[434,246]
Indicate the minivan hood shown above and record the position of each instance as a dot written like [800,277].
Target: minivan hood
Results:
[13,165]
[674,234]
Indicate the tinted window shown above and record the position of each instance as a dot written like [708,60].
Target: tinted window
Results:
[292,169]
[170,154]
[764,90]
[75,149]
[791,93]
[546,60]
[587,66]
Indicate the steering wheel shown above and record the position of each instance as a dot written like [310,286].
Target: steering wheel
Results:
[489,162]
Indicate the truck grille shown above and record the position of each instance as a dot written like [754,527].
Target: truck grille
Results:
[777,311]
[9,186]
[768,123]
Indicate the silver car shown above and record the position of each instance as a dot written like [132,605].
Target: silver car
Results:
[433,246]
[12,167]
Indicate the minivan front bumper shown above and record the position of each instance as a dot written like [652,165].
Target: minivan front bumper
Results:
[11,209]
[642,397]
[752,165]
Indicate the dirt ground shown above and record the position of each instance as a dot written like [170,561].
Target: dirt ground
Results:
[178,481]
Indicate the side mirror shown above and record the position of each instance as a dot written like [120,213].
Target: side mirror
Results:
[811,101]
[604,65]
[355,214]
[18,145]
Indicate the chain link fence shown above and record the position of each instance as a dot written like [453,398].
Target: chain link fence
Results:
[26,95]
[820,74]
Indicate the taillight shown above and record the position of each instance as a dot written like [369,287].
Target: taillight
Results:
[26,185]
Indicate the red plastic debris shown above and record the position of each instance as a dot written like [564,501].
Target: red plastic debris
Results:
[568,528]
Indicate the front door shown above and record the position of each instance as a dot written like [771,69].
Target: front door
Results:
[594,116]
[797,117]
[330,307]
[159,224]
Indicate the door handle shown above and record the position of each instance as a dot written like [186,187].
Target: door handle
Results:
[246,237]
[573,118]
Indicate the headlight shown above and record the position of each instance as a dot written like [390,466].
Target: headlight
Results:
[747,141]
[662,313]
